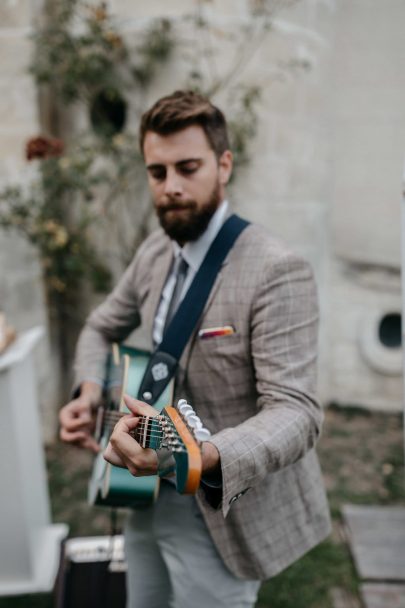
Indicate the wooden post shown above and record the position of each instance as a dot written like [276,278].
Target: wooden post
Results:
[29,544]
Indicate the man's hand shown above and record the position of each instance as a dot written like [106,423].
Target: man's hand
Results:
[123,450]
[76,420]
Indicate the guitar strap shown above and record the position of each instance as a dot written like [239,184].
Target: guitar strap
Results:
[164,360]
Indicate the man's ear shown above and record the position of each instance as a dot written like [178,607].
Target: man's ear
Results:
[225,164]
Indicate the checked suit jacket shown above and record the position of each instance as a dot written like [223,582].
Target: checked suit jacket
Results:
[253,389]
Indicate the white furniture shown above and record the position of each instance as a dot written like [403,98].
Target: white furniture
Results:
[29,544]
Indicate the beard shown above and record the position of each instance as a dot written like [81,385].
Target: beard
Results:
[185,221]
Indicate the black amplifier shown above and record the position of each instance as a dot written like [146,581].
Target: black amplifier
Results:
[92,573]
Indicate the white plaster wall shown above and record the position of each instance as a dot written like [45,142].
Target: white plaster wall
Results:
[368,148]
[287,185]
[21,288]
[369,130]
[326,163]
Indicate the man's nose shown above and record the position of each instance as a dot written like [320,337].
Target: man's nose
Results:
[173,185]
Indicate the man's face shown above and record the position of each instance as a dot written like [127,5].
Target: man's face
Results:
[186,179]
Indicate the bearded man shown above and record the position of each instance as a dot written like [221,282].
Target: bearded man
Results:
[261,504]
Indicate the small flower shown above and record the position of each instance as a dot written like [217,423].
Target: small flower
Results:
[387,468]
[50,226]
[99,12]
[61,237]
[65,163]
[57,284]
[118,141]
[43,147]
[113,39]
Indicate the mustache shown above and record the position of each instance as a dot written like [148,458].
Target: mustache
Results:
[175,206]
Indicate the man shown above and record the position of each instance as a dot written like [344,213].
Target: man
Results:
[262,503]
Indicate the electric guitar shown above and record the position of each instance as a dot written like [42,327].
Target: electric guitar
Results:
[179,431]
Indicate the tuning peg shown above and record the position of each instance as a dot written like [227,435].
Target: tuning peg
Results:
[185,409]
[181,402]
[194,421]
[202,434]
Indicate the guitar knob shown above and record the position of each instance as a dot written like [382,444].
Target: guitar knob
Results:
[194,421]
[186,409]
[202,434]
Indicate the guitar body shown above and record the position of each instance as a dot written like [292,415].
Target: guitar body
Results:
[110,485]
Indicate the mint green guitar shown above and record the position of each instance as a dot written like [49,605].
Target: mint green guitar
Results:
[116,487]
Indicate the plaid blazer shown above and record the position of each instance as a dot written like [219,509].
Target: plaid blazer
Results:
[254,389]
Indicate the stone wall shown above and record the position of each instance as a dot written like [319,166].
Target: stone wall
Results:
[325,171]
[21,288]
[368,148]
[326,166]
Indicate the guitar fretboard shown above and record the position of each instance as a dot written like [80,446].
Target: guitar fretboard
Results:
[149,429]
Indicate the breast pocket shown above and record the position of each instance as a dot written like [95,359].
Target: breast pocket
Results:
[222,351]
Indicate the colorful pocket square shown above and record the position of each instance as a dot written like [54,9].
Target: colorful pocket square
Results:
[213,332]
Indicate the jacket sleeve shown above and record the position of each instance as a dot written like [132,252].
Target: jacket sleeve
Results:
[284,320]
[110,322]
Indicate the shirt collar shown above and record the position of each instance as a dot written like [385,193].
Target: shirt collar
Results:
[195,251]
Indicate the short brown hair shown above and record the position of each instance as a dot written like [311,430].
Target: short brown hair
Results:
[182,109]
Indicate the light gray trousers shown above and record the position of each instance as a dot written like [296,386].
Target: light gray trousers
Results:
[173,563]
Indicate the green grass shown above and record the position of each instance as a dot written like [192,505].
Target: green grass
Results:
[361,455]
[307,583]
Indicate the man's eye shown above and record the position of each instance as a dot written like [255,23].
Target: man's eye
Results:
[158,174]
[188,169]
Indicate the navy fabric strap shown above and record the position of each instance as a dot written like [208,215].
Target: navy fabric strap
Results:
[188,313]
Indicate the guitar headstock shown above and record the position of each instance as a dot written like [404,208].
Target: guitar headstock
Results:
[180,431]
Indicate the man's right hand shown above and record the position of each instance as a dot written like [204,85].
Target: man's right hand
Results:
[77,420]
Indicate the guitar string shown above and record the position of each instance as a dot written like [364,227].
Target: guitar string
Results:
[144,424]
[140,430]
[147,421]
[114,416]
[143,421]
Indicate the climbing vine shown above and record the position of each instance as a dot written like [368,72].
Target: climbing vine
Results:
[91,182]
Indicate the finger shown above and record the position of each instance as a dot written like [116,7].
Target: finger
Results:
[65,415]
[77,438]
[66,435]
[111,456]
[69,414]
[77,424]
[124,444]
[139,407]
[125,458]
[126,424]
[91,444]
